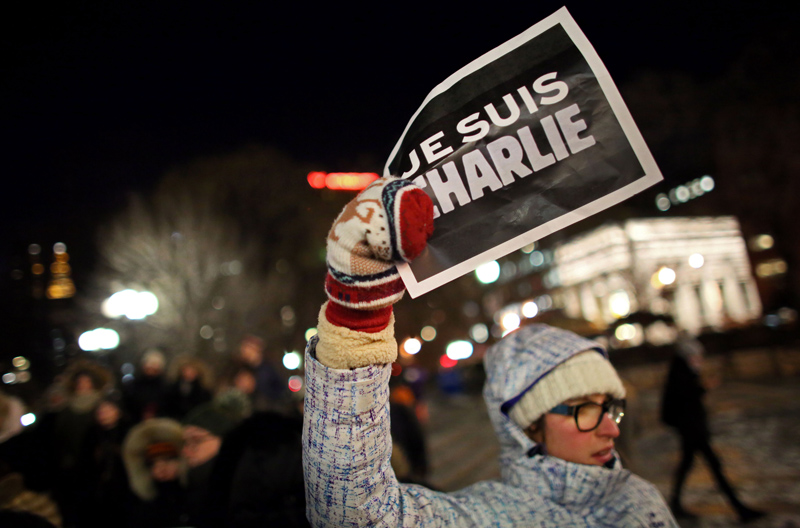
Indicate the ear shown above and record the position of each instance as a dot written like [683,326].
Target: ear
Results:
[535,431]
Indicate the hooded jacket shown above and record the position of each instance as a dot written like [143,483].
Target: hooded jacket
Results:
[347,450]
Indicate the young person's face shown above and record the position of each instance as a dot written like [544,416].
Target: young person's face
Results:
[164,469]
[562,439]
[107,414]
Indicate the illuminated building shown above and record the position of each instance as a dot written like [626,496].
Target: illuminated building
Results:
[694,269]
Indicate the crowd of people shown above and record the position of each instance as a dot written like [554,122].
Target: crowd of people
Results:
[173,446]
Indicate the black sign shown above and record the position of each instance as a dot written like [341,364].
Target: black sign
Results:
[527,139]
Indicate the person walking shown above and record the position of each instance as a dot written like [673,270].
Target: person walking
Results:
[683,409]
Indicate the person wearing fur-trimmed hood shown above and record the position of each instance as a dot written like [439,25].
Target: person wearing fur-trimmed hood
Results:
[553,397]
[156,473]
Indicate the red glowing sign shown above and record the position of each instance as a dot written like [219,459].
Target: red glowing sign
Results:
[447,362]
[341,181]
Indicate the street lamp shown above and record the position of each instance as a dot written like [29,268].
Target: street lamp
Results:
[132,304]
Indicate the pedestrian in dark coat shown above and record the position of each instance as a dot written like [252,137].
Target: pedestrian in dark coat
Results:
[86,382]
[144,395]
[104,479]
[190,385]
[258,475]
[683,408]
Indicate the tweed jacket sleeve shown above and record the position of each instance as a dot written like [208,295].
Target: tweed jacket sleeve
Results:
[346,455]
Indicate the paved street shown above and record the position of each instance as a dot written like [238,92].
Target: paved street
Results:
[756,427]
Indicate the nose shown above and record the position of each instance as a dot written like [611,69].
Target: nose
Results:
[608,427]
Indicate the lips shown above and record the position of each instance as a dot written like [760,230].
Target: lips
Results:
[604,455]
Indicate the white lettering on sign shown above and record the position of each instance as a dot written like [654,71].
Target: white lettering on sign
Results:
[510,157]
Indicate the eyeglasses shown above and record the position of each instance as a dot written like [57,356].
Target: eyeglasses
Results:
[589,415]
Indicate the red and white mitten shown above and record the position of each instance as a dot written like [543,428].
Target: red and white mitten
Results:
[389,221]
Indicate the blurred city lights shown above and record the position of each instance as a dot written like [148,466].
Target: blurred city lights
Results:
[662,202]
[619,303]
[21,363]
[683,193]
[479,333]
[771,267]
[428,333]
[412,345]
[447,362]
[131,304]
[530,309]
[292,360]
[98,339]
[459,350]
[9,378]
[27,419]
[295,383]
[341,181]
[510,321]
[664,277]
[311,332]
[696,260]
[625,332]
[34,249]
[23,377]
[530,247]
[536,259]
[488,273]
[206,332]
[762,242]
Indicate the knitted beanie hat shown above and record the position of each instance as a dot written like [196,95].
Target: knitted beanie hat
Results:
[212,418]
[581,375]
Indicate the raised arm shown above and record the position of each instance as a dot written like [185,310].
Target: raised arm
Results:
[346,438]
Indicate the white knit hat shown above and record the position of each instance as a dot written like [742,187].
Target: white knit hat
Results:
[581,375]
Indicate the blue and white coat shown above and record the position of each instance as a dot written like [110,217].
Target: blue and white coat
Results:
[347,448]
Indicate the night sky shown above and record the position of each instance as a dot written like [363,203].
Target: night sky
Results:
[100,98]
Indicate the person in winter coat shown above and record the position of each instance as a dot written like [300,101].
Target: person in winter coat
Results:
[66,432]
[156,474]
[144,395]
[191,383]
[258,475]
[103,481]
[204,430]
[682,408]
[553,398]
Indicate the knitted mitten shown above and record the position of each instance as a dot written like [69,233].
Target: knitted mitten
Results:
[389,221]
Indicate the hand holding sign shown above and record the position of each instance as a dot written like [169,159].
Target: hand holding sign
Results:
[524,141]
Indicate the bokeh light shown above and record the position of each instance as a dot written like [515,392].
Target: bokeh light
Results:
[479,333]
[459,350]
[530,309]
[619,303]
[295,383]
[696,260]
[488,273]
[412,345]
[98,339]
[292,360]
[428,333]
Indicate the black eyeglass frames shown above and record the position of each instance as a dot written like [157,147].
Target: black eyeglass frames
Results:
[588,415]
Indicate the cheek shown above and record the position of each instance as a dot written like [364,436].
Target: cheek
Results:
[564,441]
